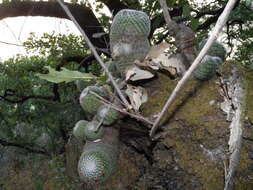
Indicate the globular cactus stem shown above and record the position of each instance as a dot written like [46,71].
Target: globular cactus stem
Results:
[217,49]
[89,102]
[99,159]
[208,68]
[129,37]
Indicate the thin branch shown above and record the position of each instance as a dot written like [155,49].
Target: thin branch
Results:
[86,61]
[216,31]
[94,51]
[12,44]
[165,11]
[83,14]
[114,5]
[208,12]
[137,117]
[213,19]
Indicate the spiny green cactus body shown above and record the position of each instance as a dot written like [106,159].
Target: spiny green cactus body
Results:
[89,102]
[130,22]
[92,131]
[78,130]
[98,161]
[217,49]
[208,68]
[81,84]
[108,115]
[129,37]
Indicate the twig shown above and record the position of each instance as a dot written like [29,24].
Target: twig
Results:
[12,44]
[165,11]
[137,117]
[216,31]
[93,49]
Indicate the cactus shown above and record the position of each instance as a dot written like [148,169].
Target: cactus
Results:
[217,49]
[99,159]
[129,37]
[128,42]
[108,115]
[78,130]
[89,102]
[208,68]
[130,22]
[93,131]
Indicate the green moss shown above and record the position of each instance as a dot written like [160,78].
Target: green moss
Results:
[248,75]
[192,121]
[192,103]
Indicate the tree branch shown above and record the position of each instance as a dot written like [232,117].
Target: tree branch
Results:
[213,19]
[84,15]
[165,11]
[5,143]
[159,20]
[216,31]
[184,36]
[114,5]
[25,98]
[209,12]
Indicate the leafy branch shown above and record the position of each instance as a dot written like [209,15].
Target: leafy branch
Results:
[29,149]
[21,99]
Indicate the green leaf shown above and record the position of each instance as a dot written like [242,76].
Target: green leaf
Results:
[194,24]
[64,75]
[186,10]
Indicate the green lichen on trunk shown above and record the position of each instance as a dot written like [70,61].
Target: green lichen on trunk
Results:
[192,125]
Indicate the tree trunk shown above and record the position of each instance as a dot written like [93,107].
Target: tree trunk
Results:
[192,152]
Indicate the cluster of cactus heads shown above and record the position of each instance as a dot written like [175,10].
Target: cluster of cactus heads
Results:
[215,57]
[217,49]
[128,42]
[99,159]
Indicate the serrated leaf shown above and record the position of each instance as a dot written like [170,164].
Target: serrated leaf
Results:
[64,75]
